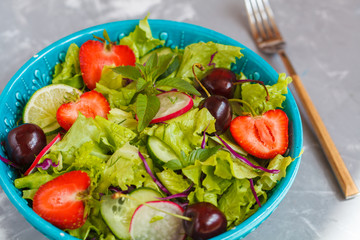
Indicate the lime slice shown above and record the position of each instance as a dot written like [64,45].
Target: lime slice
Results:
[42,107]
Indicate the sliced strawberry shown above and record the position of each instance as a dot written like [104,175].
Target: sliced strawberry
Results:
[59,202]
[90,104]
[262,136]
[94,55]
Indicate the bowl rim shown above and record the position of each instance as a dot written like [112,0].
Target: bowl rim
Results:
[237,232]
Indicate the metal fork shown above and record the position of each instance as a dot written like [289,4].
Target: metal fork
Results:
[268,39]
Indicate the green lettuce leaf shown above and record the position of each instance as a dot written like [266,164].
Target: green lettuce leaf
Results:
[238,202]
[268,181]
[125,168]
[141,40]
[123,118]
[106,136]
[202,195]
[111,79]
[33,181]
[69,72]
[117,98]
[202,52]
[173,182]
[255,94]
[184,133]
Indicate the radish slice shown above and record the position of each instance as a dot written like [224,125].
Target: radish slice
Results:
[151,224]
[45,150]
[172,104]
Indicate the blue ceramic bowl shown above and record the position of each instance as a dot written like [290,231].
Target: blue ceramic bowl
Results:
[37,72]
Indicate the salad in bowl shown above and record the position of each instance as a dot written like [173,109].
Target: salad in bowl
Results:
[133,136]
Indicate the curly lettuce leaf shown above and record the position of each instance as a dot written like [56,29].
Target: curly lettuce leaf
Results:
[238,202]
[117,98]
[224,181]
[202,53]
[69,72]
[123,118]
[268,181]
[33,181]
[184,133]
[173,182]
[111,79]
[106,136]
[255,94]
[141,40]
[202,195]
[125,168]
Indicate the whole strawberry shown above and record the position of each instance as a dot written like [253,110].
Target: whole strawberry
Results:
[59,201]
[94,55]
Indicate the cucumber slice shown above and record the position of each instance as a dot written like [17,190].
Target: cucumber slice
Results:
[159,151]
[117,213]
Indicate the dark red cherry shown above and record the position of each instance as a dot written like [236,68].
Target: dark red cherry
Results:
[207,221]
[220,109]
[219,81]
[23,143]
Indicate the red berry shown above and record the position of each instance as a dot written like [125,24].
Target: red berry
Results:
[262,136]
[90,104]
[94,56]
[58,201]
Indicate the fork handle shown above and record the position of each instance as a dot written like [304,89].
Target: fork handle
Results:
[336,162]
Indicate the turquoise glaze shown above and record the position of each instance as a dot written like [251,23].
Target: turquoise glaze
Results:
[37,72]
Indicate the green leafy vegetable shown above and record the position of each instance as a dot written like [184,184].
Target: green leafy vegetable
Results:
[184,133]
[123,118]
[130,72]
[141,40]
[255,94]
[33,181]
[197,154]
[111,79]
[179,84]
[125,168]
[117,98]
[146,109]
[106,136]
[201,53]
[267,181]
[172,181]
[69,72]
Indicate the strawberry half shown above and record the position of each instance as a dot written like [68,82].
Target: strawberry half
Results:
[58,200]
[94,55]
[262,136]
[90,104]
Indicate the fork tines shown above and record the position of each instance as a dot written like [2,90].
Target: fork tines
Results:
[262,23]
